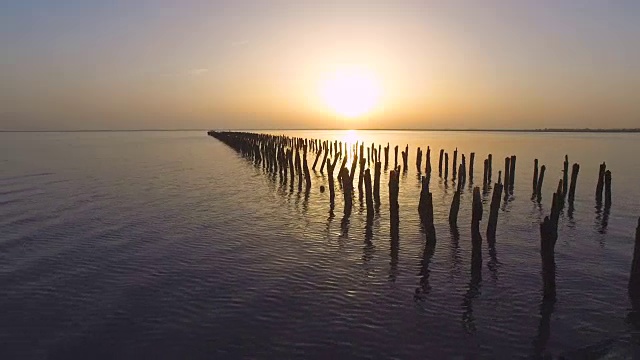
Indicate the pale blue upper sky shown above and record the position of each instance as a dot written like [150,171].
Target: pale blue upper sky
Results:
[207,64]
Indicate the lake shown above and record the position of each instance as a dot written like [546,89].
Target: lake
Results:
[170,245]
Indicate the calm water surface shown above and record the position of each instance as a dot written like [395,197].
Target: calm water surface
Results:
[170,245]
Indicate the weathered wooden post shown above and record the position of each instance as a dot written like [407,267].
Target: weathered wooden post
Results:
[600,185]
[419,160]
[492,225]
[405,158]
[425,209]
[472,159]
[485,169]
[634,278]
[395,161]
[368,193]
[535,178]
[347,190]
[540,181]
[376,182]
[548,238]
[324,160]
[490,171]
[455,164]
[507,168]
[476,212]
[428,166]
[574,179]
[440,163]
[305,167]
[361,175]
[512,173]
[446,166]
[386,157]
[565,177]
[394,183]
[455,207]
[332,192]
[607,189]
[463,170]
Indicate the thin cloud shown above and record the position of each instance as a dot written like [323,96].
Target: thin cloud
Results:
[198,71]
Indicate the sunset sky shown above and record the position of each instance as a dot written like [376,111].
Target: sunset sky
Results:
[319,64]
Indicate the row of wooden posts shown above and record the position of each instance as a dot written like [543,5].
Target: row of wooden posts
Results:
[282,155]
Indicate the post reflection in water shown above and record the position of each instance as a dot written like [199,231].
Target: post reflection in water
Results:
[455,251]
[429,248]
[394,245]
[473,290]
[547,307]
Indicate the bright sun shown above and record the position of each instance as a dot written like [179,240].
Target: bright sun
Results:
[351,92]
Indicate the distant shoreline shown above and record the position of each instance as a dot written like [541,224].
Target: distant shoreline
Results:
[631,131]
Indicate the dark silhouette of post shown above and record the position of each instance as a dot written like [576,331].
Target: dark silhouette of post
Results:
[574,179]
[368,194]
[455,164]
[540,181]
[330,168]
[425,209]
[512,173]
[440,163]
[376,183]
[607,189]
[492,225]
[446,166]
[600,184]
[472,159]
[428,165]
[347,190]
[535,178]
[395,161]
[565,177]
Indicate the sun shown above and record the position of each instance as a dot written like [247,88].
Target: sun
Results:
[351,92]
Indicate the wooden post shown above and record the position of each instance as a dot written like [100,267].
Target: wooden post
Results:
[332,192]
[565,177]
[548,239]
[535,178]
[574,179]
[472,159]
[540,181]
[428,166]
[492,226]
[455,164]
[507,168]
[512,173]
[490,171]
[347,189]
[440,163]
[600,185]
[376,183]
[419,160]
[455,207]
[361,175]
[607,189]
[368,193]
[394,183]
[305,167]
[484,174]
[446,166]
[386,157]
[463,170]
[395,162]
[425,209]
[405,158]
[324,160]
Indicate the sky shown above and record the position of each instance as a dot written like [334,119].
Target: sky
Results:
[265,64]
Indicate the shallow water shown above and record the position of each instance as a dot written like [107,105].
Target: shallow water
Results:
[170,245]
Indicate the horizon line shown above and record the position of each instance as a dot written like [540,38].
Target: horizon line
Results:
[548,130]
